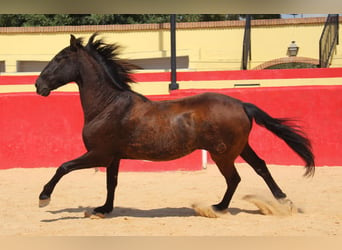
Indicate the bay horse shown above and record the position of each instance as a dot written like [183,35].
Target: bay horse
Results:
[122,124]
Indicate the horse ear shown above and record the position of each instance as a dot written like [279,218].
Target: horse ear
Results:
[73,42]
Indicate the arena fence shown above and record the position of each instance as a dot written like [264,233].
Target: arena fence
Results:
[45,132]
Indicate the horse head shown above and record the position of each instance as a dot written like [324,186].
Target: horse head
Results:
[62,69]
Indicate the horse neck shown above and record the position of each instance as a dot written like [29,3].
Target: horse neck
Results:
[95,94]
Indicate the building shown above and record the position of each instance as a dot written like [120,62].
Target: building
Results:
[205,46]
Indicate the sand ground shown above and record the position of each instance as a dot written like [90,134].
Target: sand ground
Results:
[159,203]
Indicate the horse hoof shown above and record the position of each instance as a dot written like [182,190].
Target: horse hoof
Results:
[281,207]
[289,205]
[44,203]
[207,211]
[94,215]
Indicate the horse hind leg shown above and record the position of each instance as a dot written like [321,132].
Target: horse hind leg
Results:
[260,168]
[233,179]
[284,206]
[226,166]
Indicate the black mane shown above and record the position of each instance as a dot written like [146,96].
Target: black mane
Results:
[118,70]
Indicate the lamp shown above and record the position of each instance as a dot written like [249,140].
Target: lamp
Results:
[292,50]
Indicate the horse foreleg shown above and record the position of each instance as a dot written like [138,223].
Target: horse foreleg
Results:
[112,181]
[87,160]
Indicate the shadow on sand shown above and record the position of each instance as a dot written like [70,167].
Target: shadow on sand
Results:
[138,213]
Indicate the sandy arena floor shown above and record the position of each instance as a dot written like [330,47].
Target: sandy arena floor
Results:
[160,203]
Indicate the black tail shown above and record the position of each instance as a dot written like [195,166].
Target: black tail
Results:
[291,134]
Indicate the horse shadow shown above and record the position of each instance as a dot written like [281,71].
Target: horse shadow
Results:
[138,213]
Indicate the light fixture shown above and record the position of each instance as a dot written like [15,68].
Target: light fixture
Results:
[292,50]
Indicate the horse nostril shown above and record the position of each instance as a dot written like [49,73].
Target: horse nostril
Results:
[42,89]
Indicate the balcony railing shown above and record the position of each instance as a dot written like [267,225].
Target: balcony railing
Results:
[328,41]
[246,50]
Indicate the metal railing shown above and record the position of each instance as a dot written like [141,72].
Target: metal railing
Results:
[246,50]
[328,41]
[173,85]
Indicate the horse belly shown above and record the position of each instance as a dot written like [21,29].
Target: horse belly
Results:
[167,141]
[162,148]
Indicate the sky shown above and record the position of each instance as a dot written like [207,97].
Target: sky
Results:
[302,15]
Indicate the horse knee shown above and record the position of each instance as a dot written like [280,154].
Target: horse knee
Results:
[63,169]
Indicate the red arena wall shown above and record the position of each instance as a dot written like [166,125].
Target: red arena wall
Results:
[317,109]
[45,132]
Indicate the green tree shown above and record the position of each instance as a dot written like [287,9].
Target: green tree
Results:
[8,20]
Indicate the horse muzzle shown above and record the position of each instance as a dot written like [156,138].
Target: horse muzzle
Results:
[42,89]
